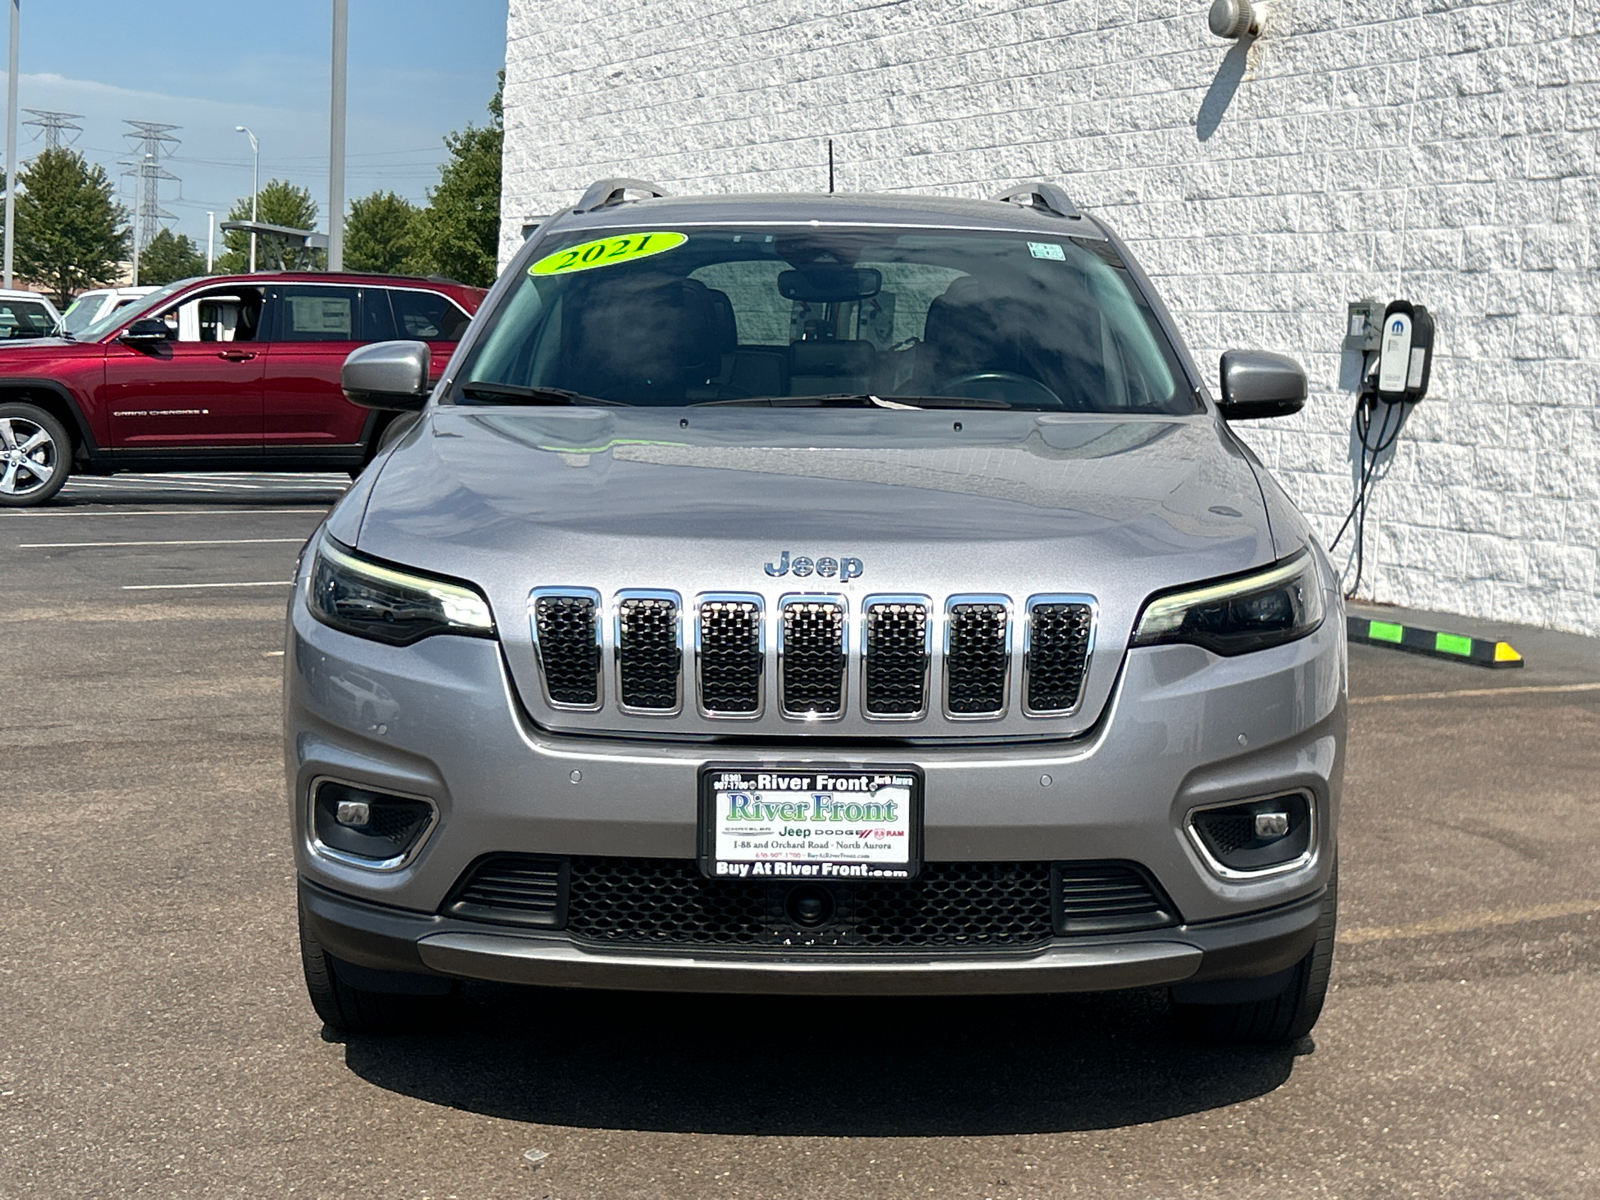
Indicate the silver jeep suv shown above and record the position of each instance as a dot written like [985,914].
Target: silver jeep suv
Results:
[819,594]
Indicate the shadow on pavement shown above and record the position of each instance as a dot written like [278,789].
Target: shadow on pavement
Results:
[819,1066]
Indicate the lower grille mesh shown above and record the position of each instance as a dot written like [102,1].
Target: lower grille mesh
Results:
[813,657]
[977,659]
[668,902]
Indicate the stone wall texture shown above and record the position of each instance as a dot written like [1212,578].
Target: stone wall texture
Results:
[1444,151]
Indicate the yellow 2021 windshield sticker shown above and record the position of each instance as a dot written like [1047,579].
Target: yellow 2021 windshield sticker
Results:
[607,252]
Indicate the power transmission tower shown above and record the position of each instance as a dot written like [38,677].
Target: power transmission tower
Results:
[152,142]
[54,124]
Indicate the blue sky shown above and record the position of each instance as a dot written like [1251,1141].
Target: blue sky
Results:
[416,71]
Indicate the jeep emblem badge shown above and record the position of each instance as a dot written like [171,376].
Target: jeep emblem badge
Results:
[827,568]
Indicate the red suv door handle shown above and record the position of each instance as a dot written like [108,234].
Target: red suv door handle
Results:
[236,355]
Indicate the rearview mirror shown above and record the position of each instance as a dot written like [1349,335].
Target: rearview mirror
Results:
[1258,384]
[387,375]
[147,331]
[825,283]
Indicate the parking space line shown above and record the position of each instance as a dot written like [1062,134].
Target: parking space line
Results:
[162,587]
[197,542]
[1466,922]
[1464,692]
[169,512]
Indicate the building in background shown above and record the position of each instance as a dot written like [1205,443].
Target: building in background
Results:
[1443,153]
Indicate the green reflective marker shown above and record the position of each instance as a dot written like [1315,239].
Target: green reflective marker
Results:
[1382,631]
[1452,643]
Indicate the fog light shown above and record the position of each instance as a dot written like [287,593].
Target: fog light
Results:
[1254,836]
[369,828]
[1268,824]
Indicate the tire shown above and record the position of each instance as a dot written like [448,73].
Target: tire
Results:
[33,475]
[1281,1018]
[360,1010]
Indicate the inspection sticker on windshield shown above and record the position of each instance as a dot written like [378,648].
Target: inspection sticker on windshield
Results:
[810,823]
[1047,250]
[607,252]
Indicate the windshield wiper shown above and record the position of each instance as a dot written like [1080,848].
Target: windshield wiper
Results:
[510,393]
[865,400]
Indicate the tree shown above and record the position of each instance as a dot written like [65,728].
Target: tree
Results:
[458,234]
[169,258]
[378,235]
[280,203]
[71,232]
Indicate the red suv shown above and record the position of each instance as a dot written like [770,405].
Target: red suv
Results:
[225,373]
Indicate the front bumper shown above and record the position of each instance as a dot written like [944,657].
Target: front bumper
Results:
[378,938]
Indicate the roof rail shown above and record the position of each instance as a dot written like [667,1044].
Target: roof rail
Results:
[1051,197]
[607,192]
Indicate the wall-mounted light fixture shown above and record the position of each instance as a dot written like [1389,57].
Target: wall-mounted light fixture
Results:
[1236,18]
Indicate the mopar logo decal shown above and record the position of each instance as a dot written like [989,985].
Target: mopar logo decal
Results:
[827,568]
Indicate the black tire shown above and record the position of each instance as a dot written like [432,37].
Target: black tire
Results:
[358,1010]
[1281,1018]
[32,476]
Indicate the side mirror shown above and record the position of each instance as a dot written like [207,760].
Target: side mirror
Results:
[147,331]
[387,375]
[1258,384]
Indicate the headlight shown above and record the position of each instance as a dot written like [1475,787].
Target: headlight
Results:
[1235,616]
[388,604]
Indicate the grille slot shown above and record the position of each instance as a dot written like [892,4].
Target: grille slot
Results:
[649,652]
[514,889]
[1060,634]
[896,650]
[1108,897]
[977,657]
[566,635]
[728,635]
[811,652]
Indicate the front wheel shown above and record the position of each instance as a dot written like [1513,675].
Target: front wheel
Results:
[34,455]
[1279,1018]
[351,1009]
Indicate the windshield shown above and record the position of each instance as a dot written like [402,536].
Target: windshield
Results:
[81,312]
[117,317]
[729,315]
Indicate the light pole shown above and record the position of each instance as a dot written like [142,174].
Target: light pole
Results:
[211,239]
[341,23]
[11,139]
[255,189]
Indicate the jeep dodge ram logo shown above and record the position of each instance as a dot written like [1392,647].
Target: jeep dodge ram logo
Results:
[827,568]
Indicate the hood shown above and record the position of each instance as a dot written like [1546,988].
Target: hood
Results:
[931,503]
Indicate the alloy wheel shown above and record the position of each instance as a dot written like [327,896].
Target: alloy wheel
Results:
[29,456]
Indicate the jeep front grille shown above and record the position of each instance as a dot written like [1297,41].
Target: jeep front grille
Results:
[566,630]
[649,652]
[896,650]
[977,656]
[811,656]
[731,654]
[1060,629]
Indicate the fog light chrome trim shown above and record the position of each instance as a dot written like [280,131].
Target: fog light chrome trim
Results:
[322,850]
[1233,875]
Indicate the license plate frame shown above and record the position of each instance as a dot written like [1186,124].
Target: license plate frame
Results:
[856,862]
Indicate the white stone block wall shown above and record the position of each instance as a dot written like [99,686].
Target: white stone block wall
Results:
[1444,151]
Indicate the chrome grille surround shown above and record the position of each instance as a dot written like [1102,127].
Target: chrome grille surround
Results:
[648,625]
[555,615]
[888,645]
[729,626]
[1036,644]
[813,652]
[973,648]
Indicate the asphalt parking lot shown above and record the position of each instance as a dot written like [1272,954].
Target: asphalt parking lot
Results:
[155,1038]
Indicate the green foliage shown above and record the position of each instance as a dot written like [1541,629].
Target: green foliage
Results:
[458,234]
[169,258]
[71,232]
[378,234]
[280,203]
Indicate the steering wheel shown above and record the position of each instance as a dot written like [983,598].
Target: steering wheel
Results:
[1017,391]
